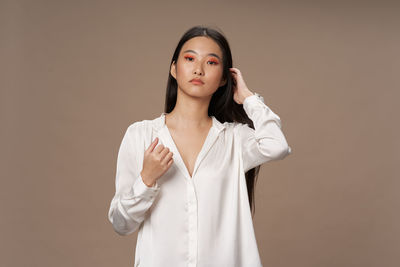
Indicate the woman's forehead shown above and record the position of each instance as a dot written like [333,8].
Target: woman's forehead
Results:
[202,46]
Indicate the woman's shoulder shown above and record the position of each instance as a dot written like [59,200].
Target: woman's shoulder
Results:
[137,131]
[239,128]
[235,128]
[229,125]
[145,125]
[234,125]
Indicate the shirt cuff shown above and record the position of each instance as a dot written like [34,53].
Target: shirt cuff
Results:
[141,189]
[252,99]
[256,100]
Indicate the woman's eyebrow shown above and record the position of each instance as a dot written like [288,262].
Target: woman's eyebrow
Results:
[212,54]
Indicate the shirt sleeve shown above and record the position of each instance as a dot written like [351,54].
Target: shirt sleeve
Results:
[266,141]
[133,197]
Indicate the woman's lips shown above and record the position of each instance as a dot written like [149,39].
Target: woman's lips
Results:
[197,82]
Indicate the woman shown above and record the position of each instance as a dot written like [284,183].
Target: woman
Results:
[185,180]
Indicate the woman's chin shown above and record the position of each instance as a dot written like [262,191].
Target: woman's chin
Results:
[198,91]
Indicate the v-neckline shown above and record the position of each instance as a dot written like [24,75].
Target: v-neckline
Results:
[204,148]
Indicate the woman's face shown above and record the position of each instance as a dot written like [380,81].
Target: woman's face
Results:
[199,58]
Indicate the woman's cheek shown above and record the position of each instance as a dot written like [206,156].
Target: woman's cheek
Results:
[217,77]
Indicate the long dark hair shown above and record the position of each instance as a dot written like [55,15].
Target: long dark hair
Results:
[222,106]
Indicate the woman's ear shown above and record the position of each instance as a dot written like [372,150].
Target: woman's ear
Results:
[173,69]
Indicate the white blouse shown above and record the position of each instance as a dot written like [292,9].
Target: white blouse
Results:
[204,220]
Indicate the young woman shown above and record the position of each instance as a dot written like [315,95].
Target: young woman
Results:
[185,180]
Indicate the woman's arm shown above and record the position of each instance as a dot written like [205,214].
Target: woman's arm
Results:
[266,141]
[132,197]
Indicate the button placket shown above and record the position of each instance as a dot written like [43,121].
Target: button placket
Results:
[192,221]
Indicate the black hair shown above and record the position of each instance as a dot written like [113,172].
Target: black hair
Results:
[222,106]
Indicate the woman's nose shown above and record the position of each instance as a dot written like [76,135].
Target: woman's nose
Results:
[198,69]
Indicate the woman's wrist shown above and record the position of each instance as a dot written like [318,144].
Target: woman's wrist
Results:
[247,94]
[146,181]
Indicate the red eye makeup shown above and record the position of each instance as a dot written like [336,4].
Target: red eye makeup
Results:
[213,60]
[188,57]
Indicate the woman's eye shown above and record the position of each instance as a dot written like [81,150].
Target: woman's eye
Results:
[214,62]
[187,57]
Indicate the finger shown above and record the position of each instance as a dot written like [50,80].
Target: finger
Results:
[167,158]
[164,152]
[170,161]
[159,148]
[152,145]
[237,72]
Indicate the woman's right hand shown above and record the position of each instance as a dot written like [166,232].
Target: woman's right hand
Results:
[155,163]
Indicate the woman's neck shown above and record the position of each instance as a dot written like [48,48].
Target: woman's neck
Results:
[189,112]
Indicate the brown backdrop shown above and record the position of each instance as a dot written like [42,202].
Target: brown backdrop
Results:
[75,74]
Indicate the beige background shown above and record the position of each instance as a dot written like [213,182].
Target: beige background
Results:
[76,74]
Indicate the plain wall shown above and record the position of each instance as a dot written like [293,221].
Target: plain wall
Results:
[76,74]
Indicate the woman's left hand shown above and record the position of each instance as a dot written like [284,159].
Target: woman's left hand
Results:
[239,86]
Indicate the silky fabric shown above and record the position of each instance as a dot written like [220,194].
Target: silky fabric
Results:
[203,220]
